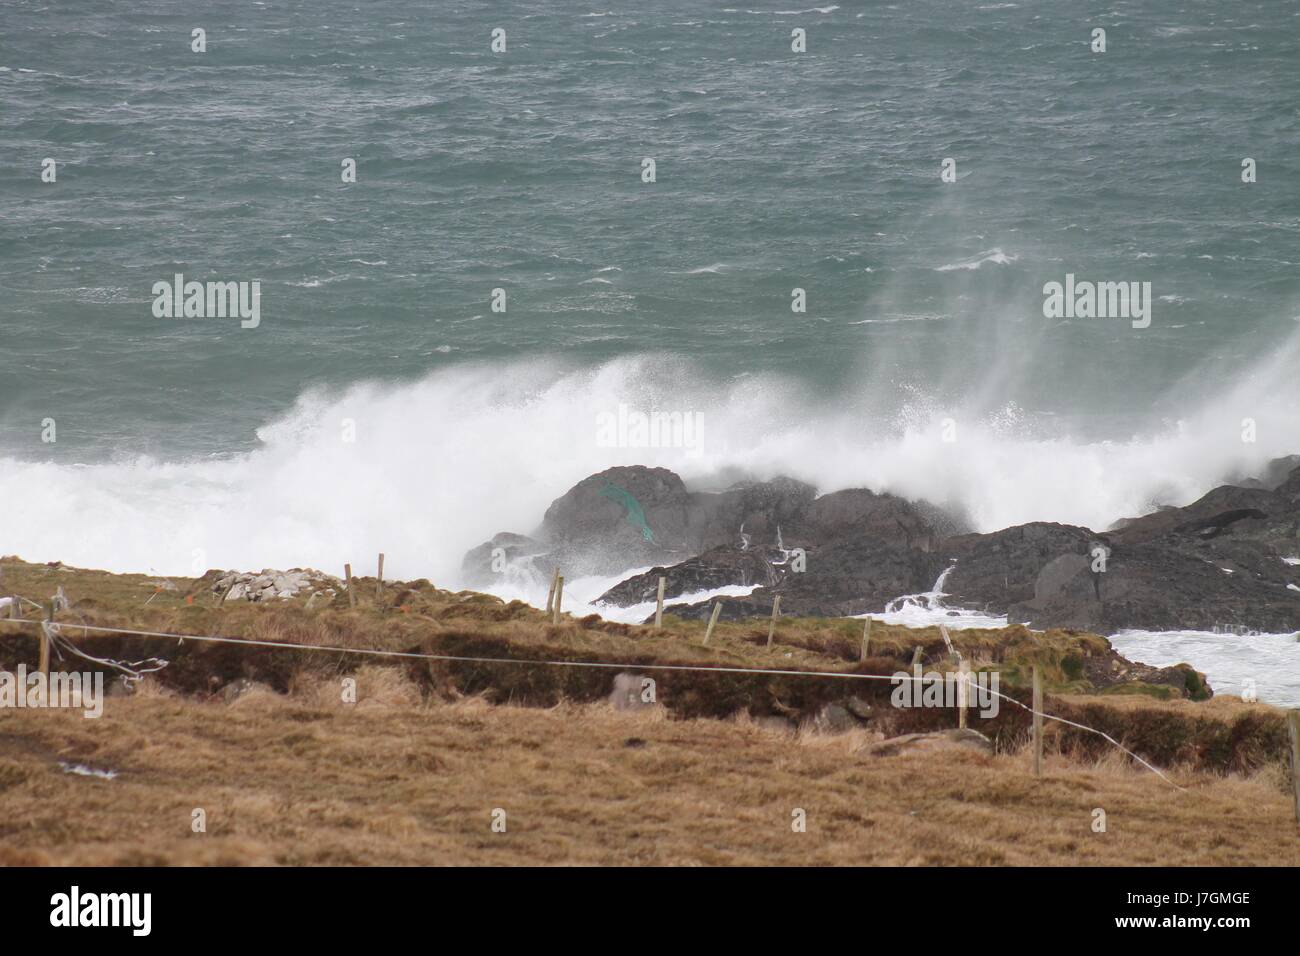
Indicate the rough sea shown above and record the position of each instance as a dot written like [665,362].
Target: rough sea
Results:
[390,399]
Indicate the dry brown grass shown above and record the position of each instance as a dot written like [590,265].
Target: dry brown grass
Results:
[416,616]
[399,777]
[417,611]
[306,779]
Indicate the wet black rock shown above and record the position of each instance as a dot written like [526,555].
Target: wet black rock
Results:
[1217,563]
[853,577]
[716,568]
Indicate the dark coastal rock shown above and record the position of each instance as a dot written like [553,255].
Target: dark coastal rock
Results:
[753,514]
[858,513]
[1271,477]
[1215,563]
[1149,587]
[857,576]
[632,516]
[619,518]
[716,568]
[861,550]
[995,571]
[477,566]
[854,577]
[1218,511]
[1161,573]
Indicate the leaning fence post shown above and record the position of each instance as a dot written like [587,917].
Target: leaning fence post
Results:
[866,637]
[952,651]
[713,619]
[559,597]
[1293,724]
[379,584]
[963,676]
[1038,723]
[776,612]
[550,595]
[659,604]
[352,595]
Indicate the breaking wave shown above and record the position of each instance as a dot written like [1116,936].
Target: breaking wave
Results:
[439,465]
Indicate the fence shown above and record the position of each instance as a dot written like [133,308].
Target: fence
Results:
[52,638]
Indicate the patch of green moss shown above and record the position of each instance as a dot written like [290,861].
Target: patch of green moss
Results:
[1158,691]
[1195,683]
[1072,665]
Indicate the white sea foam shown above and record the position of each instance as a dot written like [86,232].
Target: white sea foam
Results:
[1229,661]
[441,464]
[995,256]
[928,609]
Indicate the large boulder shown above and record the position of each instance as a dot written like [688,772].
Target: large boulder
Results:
[858,513]
[620,518]
[994,571]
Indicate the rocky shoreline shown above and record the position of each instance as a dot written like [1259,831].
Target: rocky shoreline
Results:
[1229,561]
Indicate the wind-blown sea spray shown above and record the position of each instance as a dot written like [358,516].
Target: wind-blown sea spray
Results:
[425,470]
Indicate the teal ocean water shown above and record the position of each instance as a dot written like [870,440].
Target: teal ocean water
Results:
[923,363]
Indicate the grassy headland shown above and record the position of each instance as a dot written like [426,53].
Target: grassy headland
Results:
[288,772]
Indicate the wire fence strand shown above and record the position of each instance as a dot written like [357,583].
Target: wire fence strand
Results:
[54,631]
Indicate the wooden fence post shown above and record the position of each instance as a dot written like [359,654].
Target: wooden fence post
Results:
[963,686]
[559,597]
[659,604]
[713,619]
[379,584]
[550,595]
[952,651]
[776,612]
[1038,723]
[45,641]
[866,637]
[15,608]
[352,595]
[1293,724]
